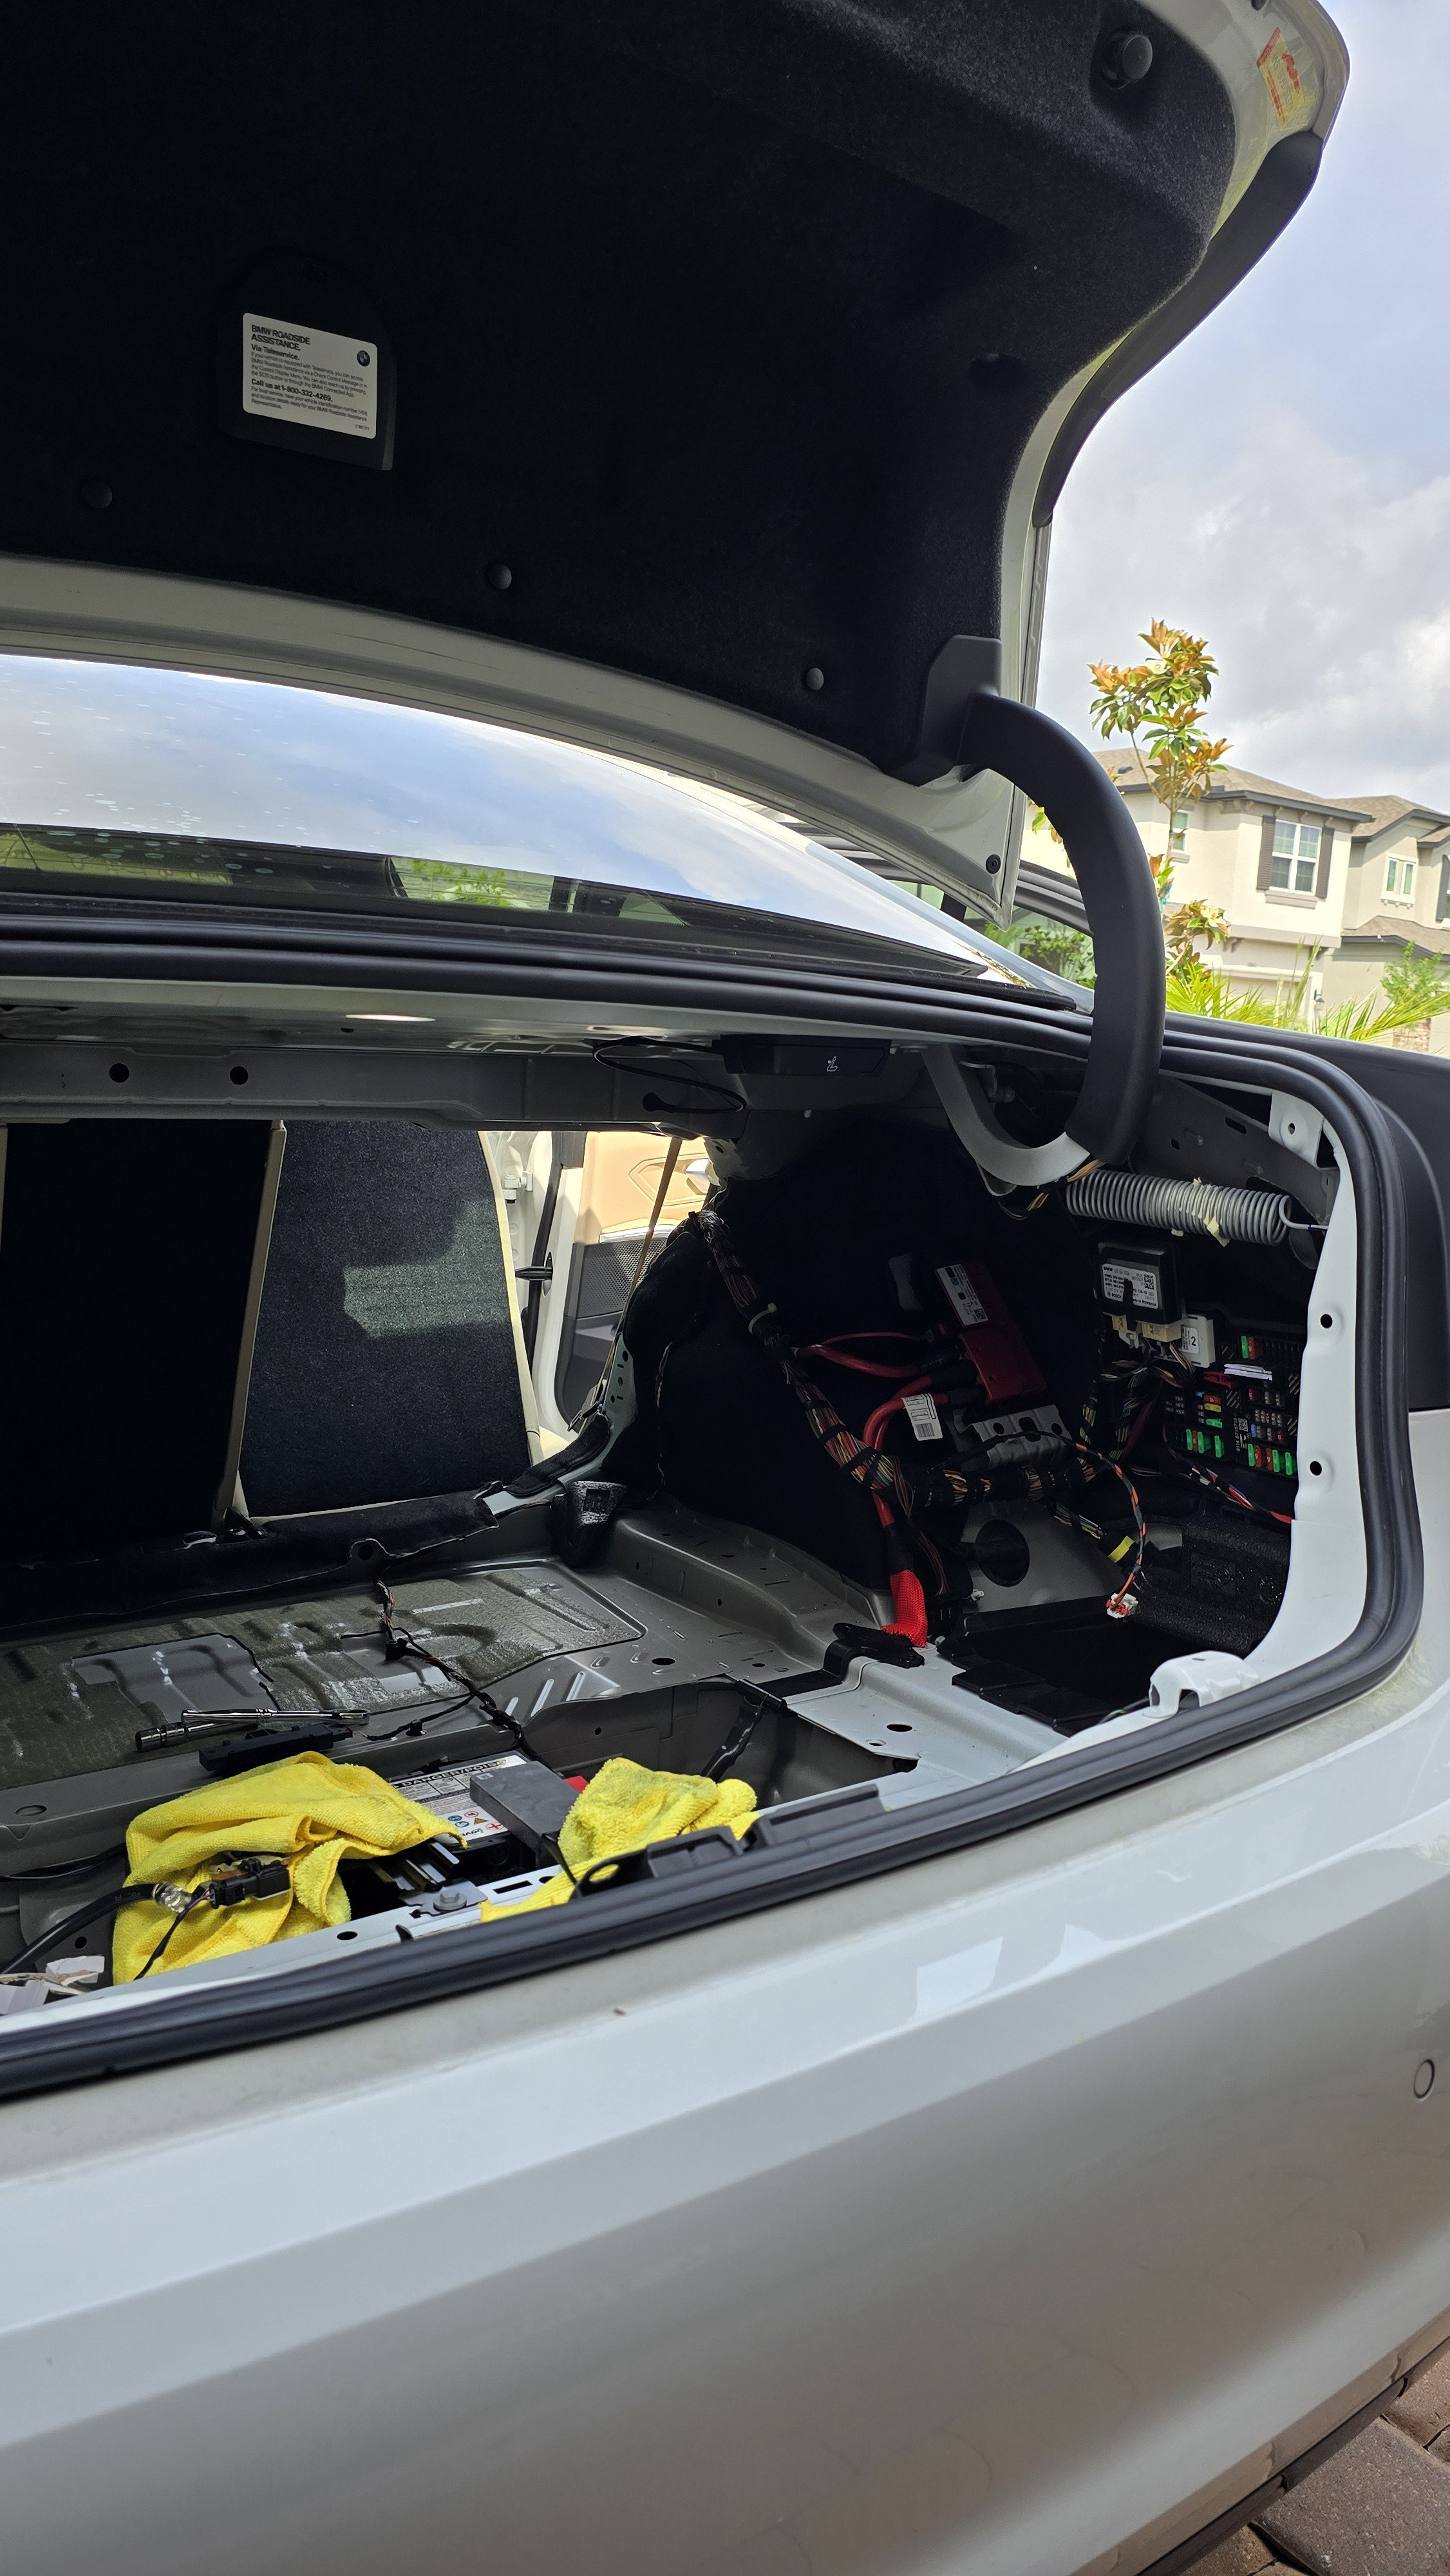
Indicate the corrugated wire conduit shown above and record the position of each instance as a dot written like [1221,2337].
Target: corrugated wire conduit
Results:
[1181,1207]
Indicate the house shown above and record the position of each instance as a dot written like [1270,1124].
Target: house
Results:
[1323,891]
[1397,893]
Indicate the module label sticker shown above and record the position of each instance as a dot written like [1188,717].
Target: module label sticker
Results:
[316,378]
[921,1413]
[1120,1276]
[968,1305]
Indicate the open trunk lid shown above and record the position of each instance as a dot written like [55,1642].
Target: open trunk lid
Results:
[717,377]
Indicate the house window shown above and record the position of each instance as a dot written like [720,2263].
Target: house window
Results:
[1294,861]
[1400,879]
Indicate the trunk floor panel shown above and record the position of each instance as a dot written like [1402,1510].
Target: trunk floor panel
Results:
[325,1653]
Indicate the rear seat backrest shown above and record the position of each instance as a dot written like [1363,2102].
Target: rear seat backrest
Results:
[385,1362]
[125,1255]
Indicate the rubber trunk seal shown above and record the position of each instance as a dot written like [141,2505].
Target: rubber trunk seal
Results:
[81,2044]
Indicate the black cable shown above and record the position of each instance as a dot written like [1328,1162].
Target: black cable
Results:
[253,1876]
[398,1642]
[173,1926]
[754,1705]
[414,1725]
[73,1923]
[671,1073]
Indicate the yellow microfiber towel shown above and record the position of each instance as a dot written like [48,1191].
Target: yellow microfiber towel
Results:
[308,1811]
[625,1807]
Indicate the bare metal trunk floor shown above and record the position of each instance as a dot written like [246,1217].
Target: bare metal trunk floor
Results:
[73,1704]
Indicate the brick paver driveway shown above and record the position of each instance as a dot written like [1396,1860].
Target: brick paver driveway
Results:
[1379,2507]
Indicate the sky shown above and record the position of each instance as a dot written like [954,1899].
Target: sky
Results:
[104,746]
[1281,484]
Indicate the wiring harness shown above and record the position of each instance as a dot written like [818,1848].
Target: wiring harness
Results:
[237,1882]
[935,1362]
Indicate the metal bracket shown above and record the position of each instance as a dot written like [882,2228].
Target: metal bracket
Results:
[1295,1126]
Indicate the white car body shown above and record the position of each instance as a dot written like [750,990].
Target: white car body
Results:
[1029,2195]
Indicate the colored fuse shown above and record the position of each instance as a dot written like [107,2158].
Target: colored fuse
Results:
[1217,1446]
[1290,1469]
[1277,1456]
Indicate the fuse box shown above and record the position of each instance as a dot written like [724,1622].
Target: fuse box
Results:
[1243,1413]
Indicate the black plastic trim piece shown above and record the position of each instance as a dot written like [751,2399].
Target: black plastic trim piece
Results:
[59,2048]
[1116,884]
[1271,200]
[1189,2552]
[963,664]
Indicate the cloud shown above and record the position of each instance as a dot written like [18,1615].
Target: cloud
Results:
[1282,483]
[1325,598]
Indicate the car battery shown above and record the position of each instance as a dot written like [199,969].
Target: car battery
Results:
[448,1793]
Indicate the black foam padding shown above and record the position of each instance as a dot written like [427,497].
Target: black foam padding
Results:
[125,1253]
[1226,1587]
[719,1426]
[385,1361]
[722,328]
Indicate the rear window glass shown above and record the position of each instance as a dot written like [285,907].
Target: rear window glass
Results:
[162,784]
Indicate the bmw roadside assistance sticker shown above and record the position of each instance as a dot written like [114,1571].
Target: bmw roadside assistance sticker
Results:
[317,378]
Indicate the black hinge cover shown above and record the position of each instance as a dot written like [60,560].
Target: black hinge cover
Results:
[964,664]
